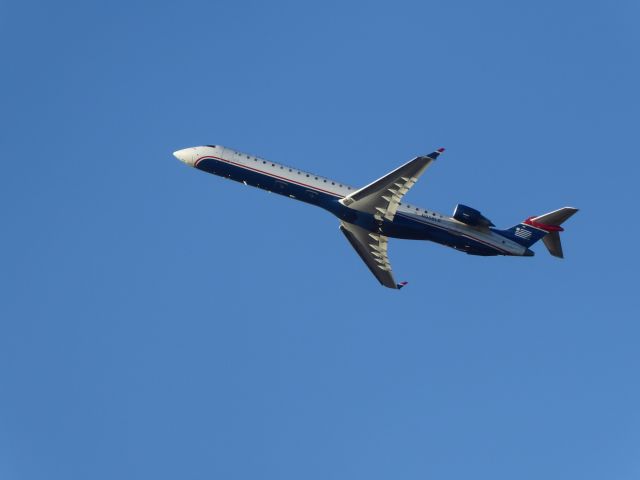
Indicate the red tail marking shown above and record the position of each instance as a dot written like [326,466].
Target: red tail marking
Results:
[543,226]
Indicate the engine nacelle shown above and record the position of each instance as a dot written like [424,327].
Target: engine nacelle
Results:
[471,216]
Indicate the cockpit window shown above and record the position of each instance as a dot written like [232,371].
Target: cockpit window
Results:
[212,146]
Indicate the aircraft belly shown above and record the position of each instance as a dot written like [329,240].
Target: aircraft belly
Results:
[280,186]
[402,226]
[438,231]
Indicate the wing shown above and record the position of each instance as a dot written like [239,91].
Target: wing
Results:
[372,248]
[382,197]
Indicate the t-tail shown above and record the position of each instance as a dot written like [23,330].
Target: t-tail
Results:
[546,227]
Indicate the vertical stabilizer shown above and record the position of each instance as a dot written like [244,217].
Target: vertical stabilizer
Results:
[551,222]
[546,227]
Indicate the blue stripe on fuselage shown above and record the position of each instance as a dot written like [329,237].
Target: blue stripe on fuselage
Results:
[404,225]
[272,183]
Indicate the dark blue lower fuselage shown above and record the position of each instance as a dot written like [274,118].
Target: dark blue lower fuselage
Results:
[404,225]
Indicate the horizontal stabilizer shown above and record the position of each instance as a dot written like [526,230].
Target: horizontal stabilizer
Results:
[543,227]
[557,217]
[553,244]
[551,222]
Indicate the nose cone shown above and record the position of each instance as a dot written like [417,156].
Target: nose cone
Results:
[186,156]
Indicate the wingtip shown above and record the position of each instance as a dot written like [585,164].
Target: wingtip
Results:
[402,284]
[436,154]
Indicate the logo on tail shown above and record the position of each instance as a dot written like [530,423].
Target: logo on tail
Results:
[546,227]
[522,233]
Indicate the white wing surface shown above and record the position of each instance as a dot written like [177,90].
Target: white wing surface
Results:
[372,248]
[382,197]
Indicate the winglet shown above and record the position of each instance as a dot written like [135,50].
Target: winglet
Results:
[436,154]
[402,284]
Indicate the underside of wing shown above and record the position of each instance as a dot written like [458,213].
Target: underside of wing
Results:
[372,248]
[382,197]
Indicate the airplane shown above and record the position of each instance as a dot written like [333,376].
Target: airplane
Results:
[370,215]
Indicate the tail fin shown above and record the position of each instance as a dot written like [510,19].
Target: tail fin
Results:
[546,227]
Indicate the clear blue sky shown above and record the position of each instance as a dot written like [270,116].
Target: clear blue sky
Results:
[158,322]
